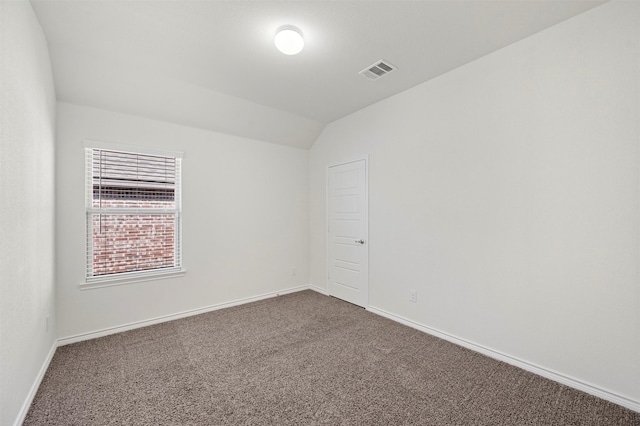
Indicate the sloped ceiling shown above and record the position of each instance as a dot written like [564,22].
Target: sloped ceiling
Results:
[213,65]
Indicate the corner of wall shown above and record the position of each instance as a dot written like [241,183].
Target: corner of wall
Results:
[27,214]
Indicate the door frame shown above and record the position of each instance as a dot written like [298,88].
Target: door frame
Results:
[366,219]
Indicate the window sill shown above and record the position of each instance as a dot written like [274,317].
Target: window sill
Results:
[130,279]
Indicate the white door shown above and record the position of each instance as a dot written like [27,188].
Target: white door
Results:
[348,256]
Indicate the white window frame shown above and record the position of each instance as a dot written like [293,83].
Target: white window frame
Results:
[135,276]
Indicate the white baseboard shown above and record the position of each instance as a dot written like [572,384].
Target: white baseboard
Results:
[34,387]
[318,289]
[540,371]
[144,323]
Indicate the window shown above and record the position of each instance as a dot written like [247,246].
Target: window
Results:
[133,213]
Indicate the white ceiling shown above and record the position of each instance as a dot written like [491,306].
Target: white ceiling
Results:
[213,65]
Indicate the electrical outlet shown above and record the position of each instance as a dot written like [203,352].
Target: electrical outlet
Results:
[46,323]
[293,271]
[413,296]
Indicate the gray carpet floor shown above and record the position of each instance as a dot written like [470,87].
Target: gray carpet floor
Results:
[298,359]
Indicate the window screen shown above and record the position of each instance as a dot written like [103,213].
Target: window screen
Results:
[133,213]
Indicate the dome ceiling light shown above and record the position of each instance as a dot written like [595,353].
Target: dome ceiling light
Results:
[289,40]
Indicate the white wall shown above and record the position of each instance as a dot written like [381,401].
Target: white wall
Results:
[245,220]
[27,119]
[506,193]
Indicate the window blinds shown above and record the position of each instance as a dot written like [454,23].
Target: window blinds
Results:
[132,212]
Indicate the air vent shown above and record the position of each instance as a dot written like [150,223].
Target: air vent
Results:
[377,70]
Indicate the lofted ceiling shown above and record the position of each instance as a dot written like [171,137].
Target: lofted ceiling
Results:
[212,64]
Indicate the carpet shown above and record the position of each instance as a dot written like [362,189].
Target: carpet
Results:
[298,359]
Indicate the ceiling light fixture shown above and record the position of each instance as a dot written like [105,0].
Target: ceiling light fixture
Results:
[289,40]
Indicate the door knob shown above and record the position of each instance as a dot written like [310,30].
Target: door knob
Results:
[360,241]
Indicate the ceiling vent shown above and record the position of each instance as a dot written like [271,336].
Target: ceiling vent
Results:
[377,70]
